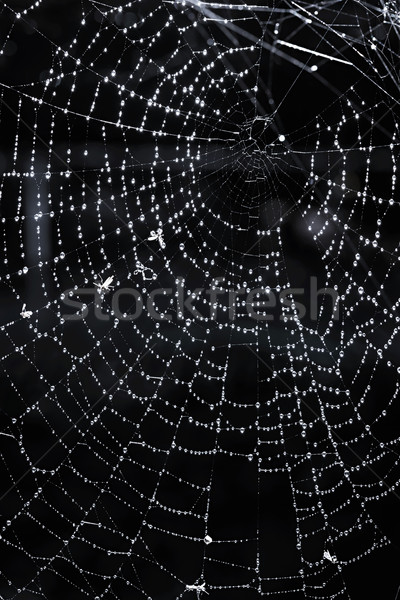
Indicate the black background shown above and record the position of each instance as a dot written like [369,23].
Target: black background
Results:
[246,505]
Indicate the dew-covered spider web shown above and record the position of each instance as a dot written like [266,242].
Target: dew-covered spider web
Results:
[185,146]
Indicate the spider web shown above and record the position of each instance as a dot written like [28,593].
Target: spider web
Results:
[189,456]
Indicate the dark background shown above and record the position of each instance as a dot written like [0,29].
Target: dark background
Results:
[67,398]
